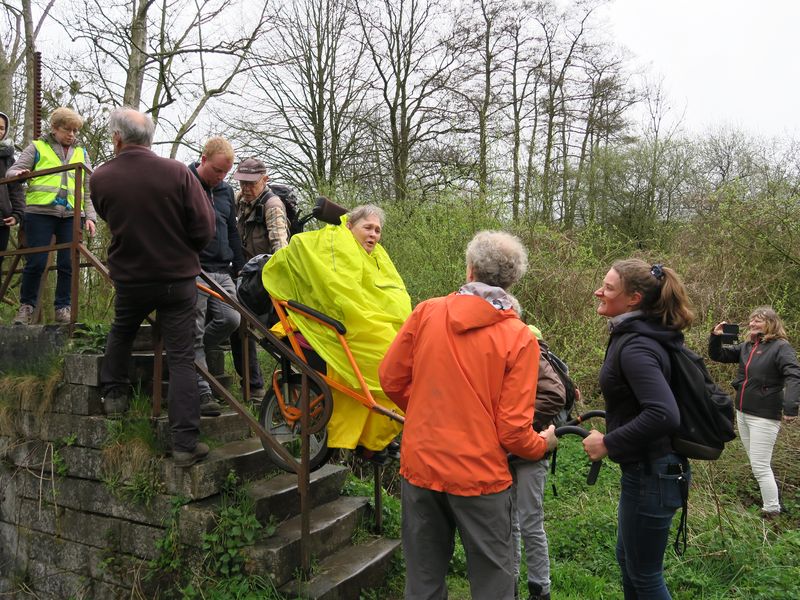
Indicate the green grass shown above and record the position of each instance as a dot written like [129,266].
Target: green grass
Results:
[732,553]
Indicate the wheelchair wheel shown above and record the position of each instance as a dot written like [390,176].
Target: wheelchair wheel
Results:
[286,431]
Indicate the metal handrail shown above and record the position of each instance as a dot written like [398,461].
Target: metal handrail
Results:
[78,249]
[76,246]
[302,468]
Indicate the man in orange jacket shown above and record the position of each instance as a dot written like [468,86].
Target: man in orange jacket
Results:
[464,370]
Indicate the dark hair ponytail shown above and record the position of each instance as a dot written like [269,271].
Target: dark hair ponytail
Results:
[663,294]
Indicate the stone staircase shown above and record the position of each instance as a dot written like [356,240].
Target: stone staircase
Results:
[64,534]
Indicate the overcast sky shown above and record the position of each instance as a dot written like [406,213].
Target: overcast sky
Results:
[731,62]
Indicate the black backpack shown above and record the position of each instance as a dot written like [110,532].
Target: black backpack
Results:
[289,198]
[250,289]
[706,410]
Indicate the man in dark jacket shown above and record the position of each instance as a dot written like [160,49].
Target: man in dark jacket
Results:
[215,320]
[159,219]
[12,198]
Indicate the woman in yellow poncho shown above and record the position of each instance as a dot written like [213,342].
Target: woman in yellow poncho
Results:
[342,271]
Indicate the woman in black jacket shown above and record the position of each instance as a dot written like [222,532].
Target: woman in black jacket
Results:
[12,198]
[767,365]
[641,414]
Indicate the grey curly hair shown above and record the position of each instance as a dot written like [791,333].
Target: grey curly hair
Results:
[497,258]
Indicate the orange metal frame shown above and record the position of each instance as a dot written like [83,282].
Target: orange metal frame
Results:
[282,307]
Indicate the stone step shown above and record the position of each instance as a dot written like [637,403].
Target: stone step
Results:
[279,497]
[79,441]
[347,573]
[274,498]
[84,369]
[331,528]
[245,457]
[85,431]
[92,431]
[228,427]
[31,349]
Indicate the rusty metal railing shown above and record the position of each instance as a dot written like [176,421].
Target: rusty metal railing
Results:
[78,249]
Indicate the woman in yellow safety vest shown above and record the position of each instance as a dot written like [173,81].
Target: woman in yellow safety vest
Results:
[49,205]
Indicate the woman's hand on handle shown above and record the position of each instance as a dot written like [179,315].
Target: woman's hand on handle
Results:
[718,328]
[594,446]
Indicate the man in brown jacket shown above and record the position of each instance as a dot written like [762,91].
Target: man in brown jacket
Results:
[160,218]
[264,229]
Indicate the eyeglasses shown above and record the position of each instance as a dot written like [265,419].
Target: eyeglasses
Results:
[72,130]
[248,183]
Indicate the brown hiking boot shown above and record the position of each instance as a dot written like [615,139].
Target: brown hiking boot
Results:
[187,459]
[63,315]
[209,407]
[24,315]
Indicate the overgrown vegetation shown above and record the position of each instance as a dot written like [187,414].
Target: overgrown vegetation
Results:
[132,454]
[217,570]
[90,338]
[22,393]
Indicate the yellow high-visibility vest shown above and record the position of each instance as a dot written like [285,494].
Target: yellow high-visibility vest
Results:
[43,191]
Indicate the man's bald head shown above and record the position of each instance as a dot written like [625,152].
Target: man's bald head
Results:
[131,127]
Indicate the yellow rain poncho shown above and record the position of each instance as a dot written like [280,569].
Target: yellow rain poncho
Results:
[331,272]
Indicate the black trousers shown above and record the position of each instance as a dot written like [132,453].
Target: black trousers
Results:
[174,303]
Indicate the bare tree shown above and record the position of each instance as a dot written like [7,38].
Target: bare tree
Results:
[305,100]
[177,57]
[524,70]
[559,57]
[17,47]
[412,47]
[487,39]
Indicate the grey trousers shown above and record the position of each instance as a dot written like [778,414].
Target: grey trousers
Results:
[430,520]
[215,321]
[527,495]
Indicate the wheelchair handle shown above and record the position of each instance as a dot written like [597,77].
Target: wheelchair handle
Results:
[594,470]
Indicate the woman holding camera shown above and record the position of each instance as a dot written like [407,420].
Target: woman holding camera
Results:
[767,365]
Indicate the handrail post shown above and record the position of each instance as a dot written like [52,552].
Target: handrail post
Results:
[304,480]
[377,478]
[158,366]
[74,249]
[244,340]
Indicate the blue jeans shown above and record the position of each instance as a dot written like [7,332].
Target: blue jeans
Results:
[39,229]
[650,495]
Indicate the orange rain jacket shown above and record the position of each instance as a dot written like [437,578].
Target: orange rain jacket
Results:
[465,374]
